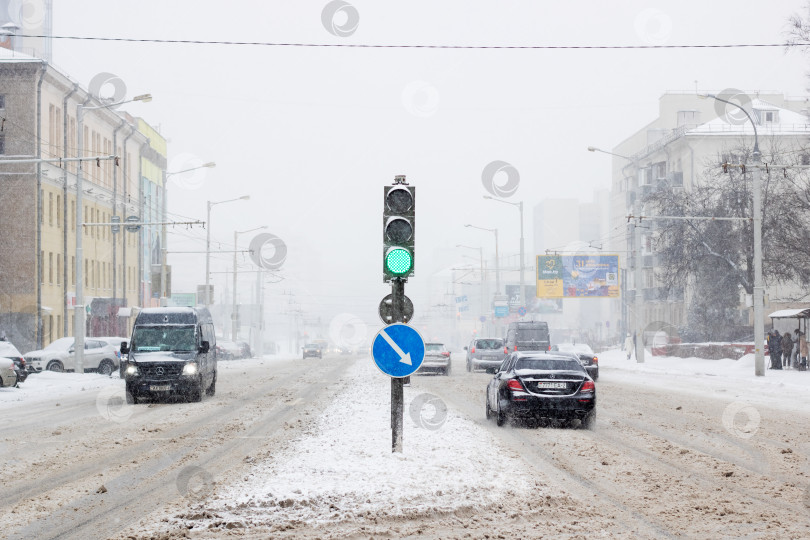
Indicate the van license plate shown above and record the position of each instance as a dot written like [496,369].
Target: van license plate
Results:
[160,387]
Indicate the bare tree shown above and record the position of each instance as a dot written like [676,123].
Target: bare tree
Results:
[715,257]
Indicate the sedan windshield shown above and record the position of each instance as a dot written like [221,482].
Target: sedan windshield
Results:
[549,364]
[489,343]
[434,347]
[164,338]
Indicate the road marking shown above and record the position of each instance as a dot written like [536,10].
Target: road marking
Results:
[404,357]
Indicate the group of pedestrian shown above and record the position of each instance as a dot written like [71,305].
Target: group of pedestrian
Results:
[787,350]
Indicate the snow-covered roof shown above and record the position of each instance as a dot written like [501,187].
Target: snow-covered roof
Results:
[7,56]
[801,313]
[788,121]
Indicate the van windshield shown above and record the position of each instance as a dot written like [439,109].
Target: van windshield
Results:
[164,338]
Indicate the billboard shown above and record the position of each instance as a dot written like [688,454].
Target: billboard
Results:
[578,276]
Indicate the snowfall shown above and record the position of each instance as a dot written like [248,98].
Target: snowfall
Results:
[345,456]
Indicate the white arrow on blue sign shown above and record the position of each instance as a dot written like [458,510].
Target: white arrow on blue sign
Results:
[398,350]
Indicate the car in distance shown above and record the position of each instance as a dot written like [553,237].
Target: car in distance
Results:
[527,336]
[61,356]
[437,359]
[313,349]
[8,372]
[172,352]
[585,354]
[485,353]
[8,350]
[541,385]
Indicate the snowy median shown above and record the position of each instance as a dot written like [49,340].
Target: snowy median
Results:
[342,468]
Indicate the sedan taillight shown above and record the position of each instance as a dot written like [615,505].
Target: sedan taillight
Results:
[472,350]
[595,360]
[588,386]
[515,385]
[505,349]
[445,354]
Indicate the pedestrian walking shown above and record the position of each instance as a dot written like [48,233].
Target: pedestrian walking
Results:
[794,355]
[787,349]
[629,345]
[802,352]
[775,348]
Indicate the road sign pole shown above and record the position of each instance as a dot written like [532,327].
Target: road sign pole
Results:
[397,383]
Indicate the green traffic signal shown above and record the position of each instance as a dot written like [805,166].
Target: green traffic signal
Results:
[398,261]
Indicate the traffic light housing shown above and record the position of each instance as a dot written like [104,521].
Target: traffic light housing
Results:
[399,231]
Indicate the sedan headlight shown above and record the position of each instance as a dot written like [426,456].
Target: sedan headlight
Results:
[190,369]
[132,370]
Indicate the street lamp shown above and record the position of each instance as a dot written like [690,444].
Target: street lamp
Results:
[497,267]
[522,256]
[638,304]
[210,204]
[480,251]
[164,290]
[234,325]
[79,310]
[759,319]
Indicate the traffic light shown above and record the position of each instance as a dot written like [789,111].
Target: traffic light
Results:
[398,230]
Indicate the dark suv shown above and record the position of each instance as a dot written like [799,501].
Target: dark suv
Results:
[485,353]
[312,349]
[527,336]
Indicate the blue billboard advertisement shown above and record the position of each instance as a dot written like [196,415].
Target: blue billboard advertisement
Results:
[578,276]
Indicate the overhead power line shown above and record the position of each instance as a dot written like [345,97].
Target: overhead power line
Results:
[417,46]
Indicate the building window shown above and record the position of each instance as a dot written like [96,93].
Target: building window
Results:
[50,268]
[59,211]
[50,209]
[58,268]
[41,269]
[2,101]
[2,143]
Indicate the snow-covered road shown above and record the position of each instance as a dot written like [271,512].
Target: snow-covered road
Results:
[292,449]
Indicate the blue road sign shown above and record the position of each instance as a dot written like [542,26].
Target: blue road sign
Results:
[501,311]
[398,350]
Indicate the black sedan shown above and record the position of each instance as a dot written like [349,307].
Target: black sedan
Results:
[542,385]
[586,356]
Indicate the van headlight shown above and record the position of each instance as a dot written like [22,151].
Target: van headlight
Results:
[190,369]
[132,370]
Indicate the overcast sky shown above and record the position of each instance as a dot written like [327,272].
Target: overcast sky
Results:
[312,134]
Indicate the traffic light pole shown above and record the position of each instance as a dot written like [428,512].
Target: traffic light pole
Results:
[397,383]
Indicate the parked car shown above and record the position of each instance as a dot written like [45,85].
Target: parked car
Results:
[115,343]
[8,372]
[228,350]
[485,353]
[541,385]
[60,356]
[244,349]
[437,359]
[8,350]
[527,336]
[312,349]
[172,352]
[585,354]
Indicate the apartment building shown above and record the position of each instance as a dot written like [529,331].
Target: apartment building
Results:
[688,135]
[38,214]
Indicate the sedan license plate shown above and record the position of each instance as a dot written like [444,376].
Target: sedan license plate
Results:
[552,385]
[160,387]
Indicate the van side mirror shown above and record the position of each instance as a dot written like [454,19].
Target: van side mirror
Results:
[204,346]
[124,348]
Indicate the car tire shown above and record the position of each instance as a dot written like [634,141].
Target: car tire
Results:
[106,367]
[132,397]
[488,412]
[195,395]
[500,419]
[595,375]
[589,421]
[55,365]
[447,371]
[469,367]
[213,388]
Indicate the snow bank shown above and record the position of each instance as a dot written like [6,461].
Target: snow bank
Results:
[343,468]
